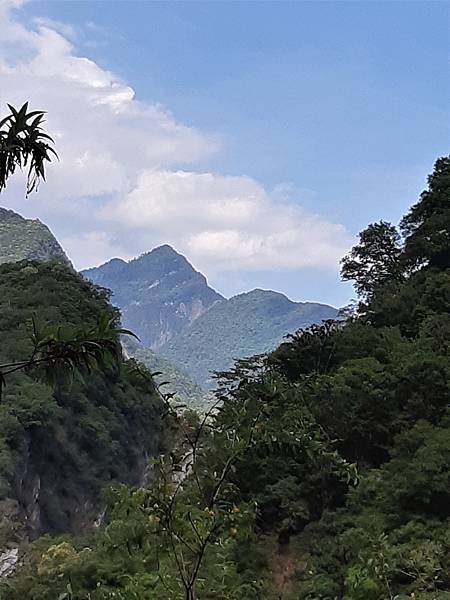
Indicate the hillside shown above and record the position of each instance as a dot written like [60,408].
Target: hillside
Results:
[175,379]
[174,312]
[26,239]
[159,293]
[245,325]
[60,449]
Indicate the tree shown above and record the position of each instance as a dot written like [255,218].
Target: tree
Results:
[24,143]
[427,224]
[375,261]
[59,351]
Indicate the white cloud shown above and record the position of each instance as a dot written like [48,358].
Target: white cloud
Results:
[115,191]
[104,136]
[227,223]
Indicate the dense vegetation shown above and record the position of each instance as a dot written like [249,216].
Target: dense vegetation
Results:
[59,448]
[322,474]
[26,239]
[247,324]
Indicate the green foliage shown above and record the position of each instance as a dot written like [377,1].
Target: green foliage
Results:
[23,142]
[374,262]
[66,445]
[427,224]
[26,239]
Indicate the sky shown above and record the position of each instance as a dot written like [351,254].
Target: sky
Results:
[257,138]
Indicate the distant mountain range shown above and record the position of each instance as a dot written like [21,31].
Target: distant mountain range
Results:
[159,293]
[245,325]
[187,329]
[170,306]
[26,239]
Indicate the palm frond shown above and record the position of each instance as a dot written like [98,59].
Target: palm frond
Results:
[24,143]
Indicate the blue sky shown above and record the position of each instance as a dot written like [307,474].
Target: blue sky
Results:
[339,108]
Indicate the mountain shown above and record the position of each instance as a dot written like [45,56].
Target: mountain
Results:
[175,380]
[159,293]
[170,306]
[26,239]
[245,325]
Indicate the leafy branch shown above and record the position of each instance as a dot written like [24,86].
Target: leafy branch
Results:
[59,351]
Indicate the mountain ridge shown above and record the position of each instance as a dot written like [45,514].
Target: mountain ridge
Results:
[173,310]
[159,293]
[27,239]
[244,325]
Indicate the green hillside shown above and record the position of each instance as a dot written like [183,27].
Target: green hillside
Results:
[247,324]
[26,239]
[176,380]
[60,448]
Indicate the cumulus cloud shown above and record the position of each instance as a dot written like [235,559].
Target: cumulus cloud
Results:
[228,223]
[115,191]
[104,135]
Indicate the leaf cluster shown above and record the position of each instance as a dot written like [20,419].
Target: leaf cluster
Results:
[23,142]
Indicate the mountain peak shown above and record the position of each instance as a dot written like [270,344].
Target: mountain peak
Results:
[26,239]
[165,249]
[160,293]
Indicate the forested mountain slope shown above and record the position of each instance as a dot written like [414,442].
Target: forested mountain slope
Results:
[245,325]
[22,239]
[173,311]
[59,449]
[171,378]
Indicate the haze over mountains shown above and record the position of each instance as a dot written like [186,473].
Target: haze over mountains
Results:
[187,329]
[170,306]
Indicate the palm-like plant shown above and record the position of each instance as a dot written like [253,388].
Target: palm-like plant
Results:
[24,143]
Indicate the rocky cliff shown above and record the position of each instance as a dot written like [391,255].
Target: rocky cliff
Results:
[60,448]
[159,293]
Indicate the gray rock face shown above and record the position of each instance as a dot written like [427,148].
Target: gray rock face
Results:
[27,239]
[8,562]
[159,293]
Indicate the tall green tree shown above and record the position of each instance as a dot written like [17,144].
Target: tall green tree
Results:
[374,261]
[427,224]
